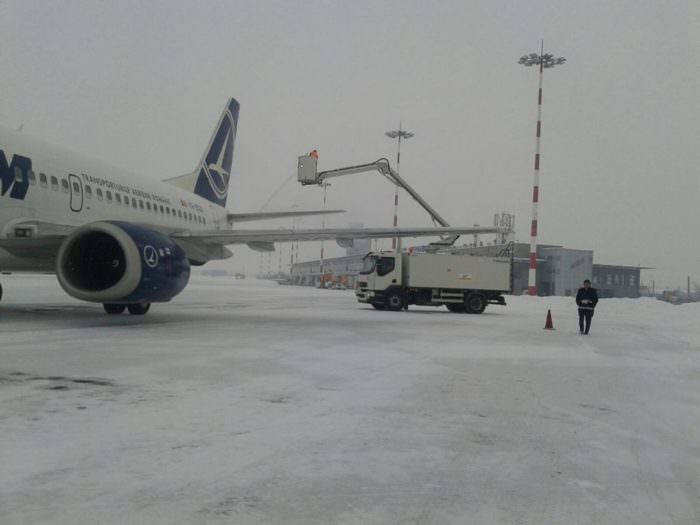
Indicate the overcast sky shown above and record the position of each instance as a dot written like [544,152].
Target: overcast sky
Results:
[141,85]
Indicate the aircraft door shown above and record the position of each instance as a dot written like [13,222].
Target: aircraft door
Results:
[76,193]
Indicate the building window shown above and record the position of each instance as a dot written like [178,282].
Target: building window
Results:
[609,279]
[633,280]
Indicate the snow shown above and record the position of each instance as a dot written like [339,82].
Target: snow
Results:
[251,403]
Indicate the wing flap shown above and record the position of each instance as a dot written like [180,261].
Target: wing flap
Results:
[261,216]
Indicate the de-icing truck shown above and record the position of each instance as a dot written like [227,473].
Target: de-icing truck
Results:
[463,283]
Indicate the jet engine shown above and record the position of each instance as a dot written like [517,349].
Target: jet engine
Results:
[120,263]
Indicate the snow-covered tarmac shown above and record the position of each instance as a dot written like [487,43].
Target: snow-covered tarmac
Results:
[246,402]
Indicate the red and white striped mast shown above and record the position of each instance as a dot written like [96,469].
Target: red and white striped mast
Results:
[397,134]
[545,61]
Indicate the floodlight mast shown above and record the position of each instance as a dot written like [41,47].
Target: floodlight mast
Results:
[397,134]
[545,61]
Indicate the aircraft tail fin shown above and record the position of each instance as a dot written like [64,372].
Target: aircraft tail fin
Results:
[210,179]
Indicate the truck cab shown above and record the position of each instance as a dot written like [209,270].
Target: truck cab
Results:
[381,272]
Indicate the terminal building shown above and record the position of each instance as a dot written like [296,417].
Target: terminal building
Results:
[560,271]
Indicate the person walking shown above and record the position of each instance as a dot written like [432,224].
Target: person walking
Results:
[586,299]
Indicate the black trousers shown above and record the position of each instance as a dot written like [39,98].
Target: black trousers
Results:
[587,314]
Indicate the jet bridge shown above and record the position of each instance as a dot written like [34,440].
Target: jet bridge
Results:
[307,173]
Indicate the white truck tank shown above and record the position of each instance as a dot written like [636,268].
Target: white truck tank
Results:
[476,272]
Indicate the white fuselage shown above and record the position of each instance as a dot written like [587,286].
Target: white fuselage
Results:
[69,190]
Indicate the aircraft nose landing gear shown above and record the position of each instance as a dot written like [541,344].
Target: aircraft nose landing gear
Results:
[134,308]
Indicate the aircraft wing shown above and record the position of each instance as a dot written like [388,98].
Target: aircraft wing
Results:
[265,239]
[258,216]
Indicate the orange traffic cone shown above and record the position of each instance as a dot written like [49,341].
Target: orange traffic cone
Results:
[549,325]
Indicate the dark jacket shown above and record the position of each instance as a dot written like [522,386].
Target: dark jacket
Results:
[587,298]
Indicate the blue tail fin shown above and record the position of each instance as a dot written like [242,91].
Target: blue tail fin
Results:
[214,170]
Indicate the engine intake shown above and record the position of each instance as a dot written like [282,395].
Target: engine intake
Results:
[121,262]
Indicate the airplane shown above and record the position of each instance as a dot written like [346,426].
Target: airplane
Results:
[127,241]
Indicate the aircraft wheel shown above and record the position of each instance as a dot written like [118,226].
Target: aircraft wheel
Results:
[114,308]
[138,308]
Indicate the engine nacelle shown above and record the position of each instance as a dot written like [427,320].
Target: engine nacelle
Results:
[122,263]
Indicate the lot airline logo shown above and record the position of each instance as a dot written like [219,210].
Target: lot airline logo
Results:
[14,177]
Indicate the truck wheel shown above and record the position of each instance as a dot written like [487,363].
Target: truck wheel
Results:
[394,301]
[455,308]
[114,308]
[475,303]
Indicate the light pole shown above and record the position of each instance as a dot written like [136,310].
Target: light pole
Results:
[323,227]
[397,134]
[545,61]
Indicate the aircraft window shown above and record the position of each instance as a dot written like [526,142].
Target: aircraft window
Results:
[42,180]
[204,220]
[19,174]
[161,209]
[148,206]
[167,210]
[140,204]
[108,194]
[133,203]
[99,194]
[179,213]
[32,177]
[54,183]
[64,186]
[76,187]
[88,191]
[126,200]
[118,198]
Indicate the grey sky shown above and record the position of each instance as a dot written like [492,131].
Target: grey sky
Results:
[140,85]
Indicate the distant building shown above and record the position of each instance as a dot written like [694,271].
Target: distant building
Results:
[616,281]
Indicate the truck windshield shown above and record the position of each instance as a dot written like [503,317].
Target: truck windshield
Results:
[383,265]
[368,265]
